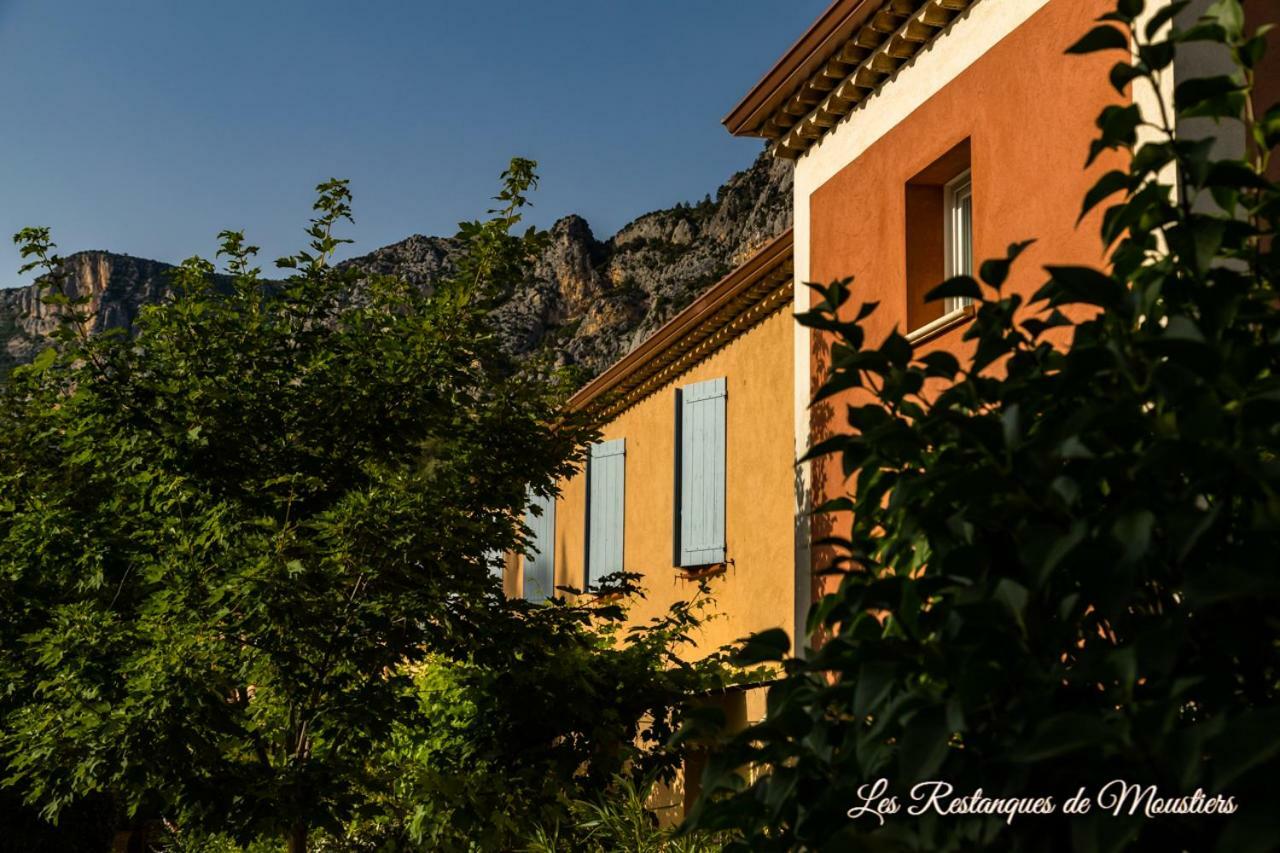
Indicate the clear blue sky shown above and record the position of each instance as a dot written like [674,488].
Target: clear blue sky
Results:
[146,126]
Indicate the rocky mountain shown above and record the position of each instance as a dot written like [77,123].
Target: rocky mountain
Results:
[588,301]
[118,285]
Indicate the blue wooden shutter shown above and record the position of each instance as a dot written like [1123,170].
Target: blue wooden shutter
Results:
[701,473]
[539,567]
[606,473]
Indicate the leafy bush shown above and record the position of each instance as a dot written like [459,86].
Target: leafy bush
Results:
[246,563]
[1060,568]
[175,839]
[619,818]
[222,541]
[500,744]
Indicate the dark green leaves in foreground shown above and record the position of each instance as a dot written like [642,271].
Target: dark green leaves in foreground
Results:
[1057,564]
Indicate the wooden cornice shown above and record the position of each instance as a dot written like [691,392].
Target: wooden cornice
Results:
[825,38]
[845,56]
[756,289]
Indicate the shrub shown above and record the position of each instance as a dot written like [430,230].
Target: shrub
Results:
[619,818]
[501,744]
[222,541]
[1060,567]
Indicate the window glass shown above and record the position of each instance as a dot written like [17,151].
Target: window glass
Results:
[959,235]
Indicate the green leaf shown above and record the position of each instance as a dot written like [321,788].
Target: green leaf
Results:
[1157,55]
[1193,93]
[1101,37]
[1123,74]
[766,646]
[940,363]
[865,310]
[1011,425]
[1252,51]
[1269,127]
[1162,16]
[1251,740]
[1063,734]
[1082,285]
[1130,9]
[897,349]
[996,270]
[873,683]
[1118,126]
[925,746]
[1058,551]
[826,447]
[1235,174]
[833,505]
[961,285]
[1013,596]
[1229,15]
[1133,531]
[44,360]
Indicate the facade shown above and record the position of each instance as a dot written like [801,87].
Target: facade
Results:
[927,135]
[887,109]
[693,477]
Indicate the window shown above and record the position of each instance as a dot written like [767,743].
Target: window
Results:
[958,207]
[939,234]
[700,452]
[539,567]
[606,471]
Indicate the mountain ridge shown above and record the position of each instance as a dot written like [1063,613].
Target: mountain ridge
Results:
[588,301]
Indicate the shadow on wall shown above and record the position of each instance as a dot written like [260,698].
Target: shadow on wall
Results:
[815,528]
[562,565]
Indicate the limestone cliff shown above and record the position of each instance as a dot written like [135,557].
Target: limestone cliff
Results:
[117,286]
[588,301]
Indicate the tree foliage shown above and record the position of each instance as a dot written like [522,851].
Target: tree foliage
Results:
[225,542]
[619,818]
[569,705]
[1060,561]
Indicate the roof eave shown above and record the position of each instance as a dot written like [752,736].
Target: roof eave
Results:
[702,309]
[835,25]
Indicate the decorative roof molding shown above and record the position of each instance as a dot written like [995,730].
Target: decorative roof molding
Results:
[846,56]
[759,287]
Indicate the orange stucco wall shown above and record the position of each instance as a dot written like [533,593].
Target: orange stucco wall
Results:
[1028,113]
[755,592]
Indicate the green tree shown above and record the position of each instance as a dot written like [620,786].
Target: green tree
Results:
[225,541]
[1060,567]
[570,703]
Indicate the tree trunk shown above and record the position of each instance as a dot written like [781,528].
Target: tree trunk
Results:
[298,838]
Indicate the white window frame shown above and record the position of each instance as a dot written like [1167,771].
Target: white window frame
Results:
[957,206]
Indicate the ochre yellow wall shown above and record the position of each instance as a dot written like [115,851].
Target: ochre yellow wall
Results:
[756,590]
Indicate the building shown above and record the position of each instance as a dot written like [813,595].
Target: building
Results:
[927,135]
[665,493]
